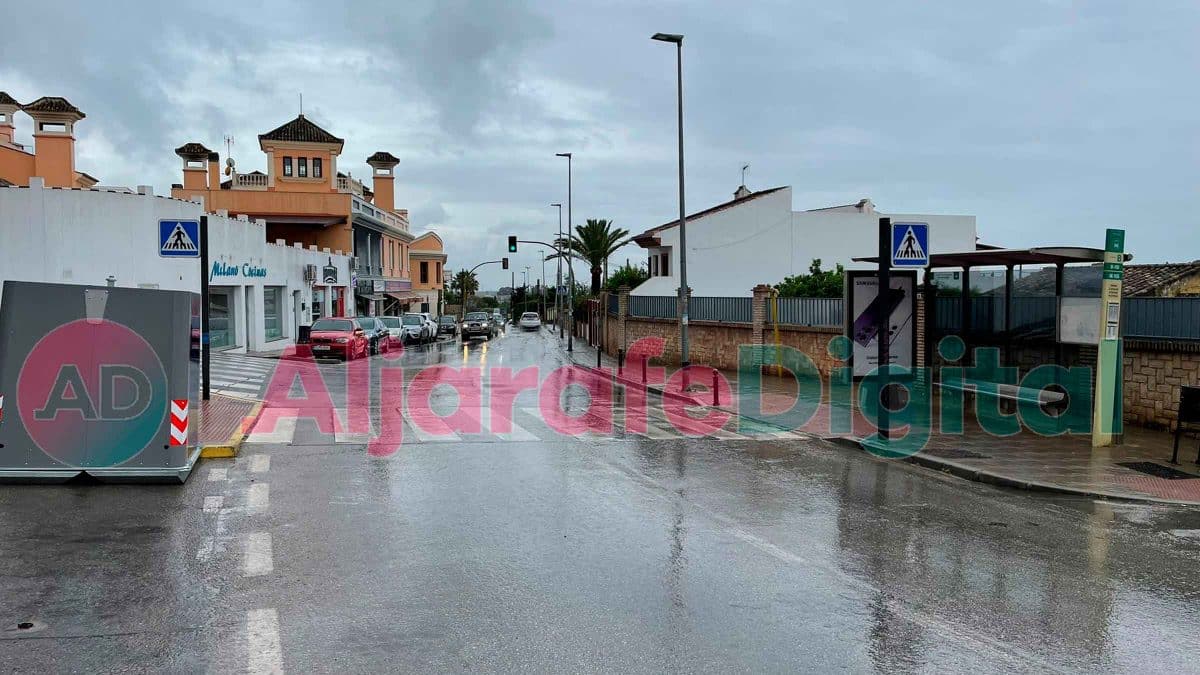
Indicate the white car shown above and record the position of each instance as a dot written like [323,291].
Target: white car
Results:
[529,321]
[414,329]
[432,324]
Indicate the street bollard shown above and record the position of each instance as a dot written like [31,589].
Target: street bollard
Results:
[597,358]
[644,360]
[716,392]
[620,361]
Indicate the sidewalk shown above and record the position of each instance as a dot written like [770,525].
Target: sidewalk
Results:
[1137,470]
[224,423]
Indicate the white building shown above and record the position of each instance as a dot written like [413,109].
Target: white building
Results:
[260,293]
[756,238]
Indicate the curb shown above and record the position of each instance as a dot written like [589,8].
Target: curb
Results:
[1000,480]
[230,448]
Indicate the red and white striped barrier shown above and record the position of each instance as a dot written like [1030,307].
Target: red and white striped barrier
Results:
[179,421]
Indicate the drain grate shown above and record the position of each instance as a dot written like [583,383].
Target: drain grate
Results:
[955,453]
[1158,470]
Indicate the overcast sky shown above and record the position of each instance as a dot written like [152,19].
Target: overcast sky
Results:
[1049,121]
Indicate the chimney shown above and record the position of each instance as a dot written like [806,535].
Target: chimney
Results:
[742,192]
[865,205]
[54,121]
[197,166]
[214,171]
[382,165]
[8,106]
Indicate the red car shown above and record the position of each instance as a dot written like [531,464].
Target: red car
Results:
[339,337]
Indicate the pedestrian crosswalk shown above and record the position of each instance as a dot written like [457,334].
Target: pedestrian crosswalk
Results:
[240,374]
[285,426]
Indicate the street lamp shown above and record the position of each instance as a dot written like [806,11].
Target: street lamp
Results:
[558,280]
[683,285]
[542,282]
[570,267]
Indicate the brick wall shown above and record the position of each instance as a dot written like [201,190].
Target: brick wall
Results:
[716,343]
[1154,371]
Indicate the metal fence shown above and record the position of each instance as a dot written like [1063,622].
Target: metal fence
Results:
[652,306]
[809,311]
[721,309]
[614,304]
[1162,318]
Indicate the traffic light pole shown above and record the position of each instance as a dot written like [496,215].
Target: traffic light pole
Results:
[502,261]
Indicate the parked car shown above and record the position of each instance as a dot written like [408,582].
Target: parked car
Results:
[376,332]
[530,321]
[448,325]
[431,323]
[415,329]
[395,330]
[478,324]
[339,337]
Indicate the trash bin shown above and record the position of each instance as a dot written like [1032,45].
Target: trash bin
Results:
[303,335]
[98,380]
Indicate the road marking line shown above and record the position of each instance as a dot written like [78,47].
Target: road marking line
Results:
[263,652]
[258,498]
[216,474]
[285,431]
[212,504]
[206,549]
[260,463]
[257,559]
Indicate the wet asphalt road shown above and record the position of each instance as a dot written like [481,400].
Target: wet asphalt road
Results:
[560,553]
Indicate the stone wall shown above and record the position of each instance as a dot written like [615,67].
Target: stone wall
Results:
[1154,372]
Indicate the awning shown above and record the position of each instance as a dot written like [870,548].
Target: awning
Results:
[1045,255]
[369,296]
[405,298]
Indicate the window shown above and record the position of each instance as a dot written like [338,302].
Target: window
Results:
[437,273]
[273,312]
[221,331]
[287,166]
[665,266]
[302,166]
[316,167]
[653,265]
[424,272]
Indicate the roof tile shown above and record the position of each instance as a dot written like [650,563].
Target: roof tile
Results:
[300,130]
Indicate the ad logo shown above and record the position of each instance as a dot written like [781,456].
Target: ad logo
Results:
[92,394]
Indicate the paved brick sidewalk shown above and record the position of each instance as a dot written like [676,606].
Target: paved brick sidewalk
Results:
[1066,464]
[224,422]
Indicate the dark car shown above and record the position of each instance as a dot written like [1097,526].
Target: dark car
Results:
[338,337]
[478,324]
[377,333]
[448,325]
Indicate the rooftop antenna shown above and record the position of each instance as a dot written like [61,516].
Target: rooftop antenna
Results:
[302,104]
[228,154]
[744,167]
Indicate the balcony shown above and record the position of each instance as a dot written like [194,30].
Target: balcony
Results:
[364,268]
[391,220]
[353,186]
[249,181]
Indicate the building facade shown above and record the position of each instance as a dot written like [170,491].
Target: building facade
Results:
[52,157]
[304,200]
[757,238]
[428,259]
[260,292]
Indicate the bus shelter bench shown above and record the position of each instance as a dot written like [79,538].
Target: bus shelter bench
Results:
[1010,395]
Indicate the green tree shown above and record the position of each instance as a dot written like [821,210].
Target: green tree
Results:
[817,283]
[463,284]
[627,275]
[593,243]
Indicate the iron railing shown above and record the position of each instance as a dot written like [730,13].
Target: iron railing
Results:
[808,311]
[1161,318]
[738,310]
[653,306]
[614,304]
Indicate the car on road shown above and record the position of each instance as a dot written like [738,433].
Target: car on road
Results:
[415,329]
[478,324]
[377,333]
[340,337]
[530,321]
[431,323]
[395,330]
[498,319]
[448,325]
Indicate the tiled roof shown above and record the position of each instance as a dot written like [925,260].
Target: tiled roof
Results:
[52,104]
[5,99]
[382,156]
[1084,280]
[300,130]
[192,149]
[709,211]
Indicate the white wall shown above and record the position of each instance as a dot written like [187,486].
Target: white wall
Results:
[83,236]
[764,241]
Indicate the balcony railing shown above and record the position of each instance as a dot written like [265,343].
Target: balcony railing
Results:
[351,185]
[392,220]
[249,181]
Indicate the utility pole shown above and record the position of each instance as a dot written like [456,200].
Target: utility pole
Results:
[570,266]
[683,283]
[558,279]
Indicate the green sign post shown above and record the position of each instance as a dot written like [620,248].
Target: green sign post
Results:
[1107,415]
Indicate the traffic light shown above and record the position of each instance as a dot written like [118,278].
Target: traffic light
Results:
[512,243]
[504,263]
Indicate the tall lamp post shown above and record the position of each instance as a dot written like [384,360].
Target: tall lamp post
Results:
[570,267]
[558,280]
[683,284]
[542,282]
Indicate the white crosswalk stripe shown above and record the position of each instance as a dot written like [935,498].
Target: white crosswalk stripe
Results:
[240,373]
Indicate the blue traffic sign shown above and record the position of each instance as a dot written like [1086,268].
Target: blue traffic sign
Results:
[910,244]
[179,238]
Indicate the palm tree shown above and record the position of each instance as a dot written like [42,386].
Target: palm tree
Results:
[594,243]
[464,284]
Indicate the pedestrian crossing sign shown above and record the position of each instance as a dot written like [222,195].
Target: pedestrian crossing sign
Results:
[910,244]
[179,238]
